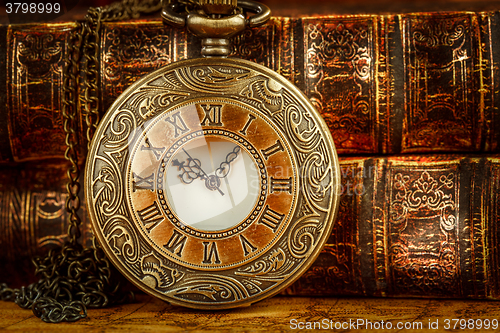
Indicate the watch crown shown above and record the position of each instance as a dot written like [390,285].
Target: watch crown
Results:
[225,7]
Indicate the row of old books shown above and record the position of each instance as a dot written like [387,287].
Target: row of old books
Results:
[412,101]
[417,225]
[385,84]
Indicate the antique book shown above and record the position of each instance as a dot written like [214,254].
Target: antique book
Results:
[385,84]
[33,217]
[421,226]
[411,225]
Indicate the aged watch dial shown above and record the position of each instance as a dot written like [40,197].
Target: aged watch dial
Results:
[211,183]
[217,188]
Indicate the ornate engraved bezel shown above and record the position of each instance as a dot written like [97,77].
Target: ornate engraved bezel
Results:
[311,191]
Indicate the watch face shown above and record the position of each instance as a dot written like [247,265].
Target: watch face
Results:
[211,183]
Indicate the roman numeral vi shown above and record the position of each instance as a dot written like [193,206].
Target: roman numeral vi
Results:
[210,255]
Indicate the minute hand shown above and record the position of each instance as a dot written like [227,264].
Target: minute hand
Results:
[225,166]
[208,178]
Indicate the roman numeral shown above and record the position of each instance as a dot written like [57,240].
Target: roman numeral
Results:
[251,117]
[150,216]
[178,123]
[212,114]
[271,219]
[273,149]
[246,245]
[281,185]
[146,183]
[156,151]
[176,243]
[210,254]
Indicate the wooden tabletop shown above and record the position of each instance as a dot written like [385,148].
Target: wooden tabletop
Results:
[280,313]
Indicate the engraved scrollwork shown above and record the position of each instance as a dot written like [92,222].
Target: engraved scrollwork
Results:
[209,288]
[422,215]
[108,189]
[315,174]
[274,266]
[120,130]
[440,33]
[107,184]
[157,95]
[214,79]
[157,101]
[268,99]
[44,50]
[122,238]
[163,277]
[300,128]
[316,185]
[138,48]
[304,235]
[267,272]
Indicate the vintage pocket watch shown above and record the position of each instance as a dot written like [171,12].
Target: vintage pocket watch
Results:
[211,182]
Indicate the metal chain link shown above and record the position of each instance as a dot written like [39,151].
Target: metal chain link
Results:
[73,278]
[124,10]
[70,114]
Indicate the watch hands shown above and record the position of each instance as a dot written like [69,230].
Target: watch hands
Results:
[190,172]
[193,170]
[225,166]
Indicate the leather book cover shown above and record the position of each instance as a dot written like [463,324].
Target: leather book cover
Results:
[412,226]
[33,217]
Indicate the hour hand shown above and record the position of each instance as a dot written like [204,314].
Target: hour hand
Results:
[193,170]
[223,170]
[190,171]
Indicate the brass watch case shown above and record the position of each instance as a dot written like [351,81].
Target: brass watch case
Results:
[273,122]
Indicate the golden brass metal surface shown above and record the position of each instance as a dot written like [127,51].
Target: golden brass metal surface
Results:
[147,137]
[215,29]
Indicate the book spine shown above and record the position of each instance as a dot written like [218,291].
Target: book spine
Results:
[5,151]
[133,49]
[421,226]
[33,217]
[448,84]
[31,126]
